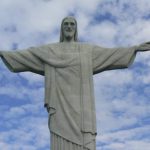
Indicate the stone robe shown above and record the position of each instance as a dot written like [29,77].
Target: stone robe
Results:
[68,70]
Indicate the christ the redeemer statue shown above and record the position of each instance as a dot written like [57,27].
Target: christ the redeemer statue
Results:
[68,67]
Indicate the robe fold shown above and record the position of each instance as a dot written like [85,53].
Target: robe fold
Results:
[68,69]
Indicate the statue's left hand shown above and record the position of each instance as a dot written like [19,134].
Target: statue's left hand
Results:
[144,47]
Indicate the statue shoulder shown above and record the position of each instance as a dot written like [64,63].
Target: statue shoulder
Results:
[51,45]
[87,46]
[45,47]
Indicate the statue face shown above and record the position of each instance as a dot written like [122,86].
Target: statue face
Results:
[69,29]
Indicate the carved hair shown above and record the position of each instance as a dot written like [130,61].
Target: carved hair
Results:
[61,32]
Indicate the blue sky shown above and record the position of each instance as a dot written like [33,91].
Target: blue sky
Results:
[122,96]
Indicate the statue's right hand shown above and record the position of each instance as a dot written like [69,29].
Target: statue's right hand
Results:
[144,47]
[47,107]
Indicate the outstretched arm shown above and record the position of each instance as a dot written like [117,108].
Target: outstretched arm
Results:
[112,58]
[115,58]
[22,60]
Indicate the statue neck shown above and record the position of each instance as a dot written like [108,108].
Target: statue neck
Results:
[69,39]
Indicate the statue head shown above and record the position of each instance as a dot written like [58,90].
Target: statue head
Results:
[68,31]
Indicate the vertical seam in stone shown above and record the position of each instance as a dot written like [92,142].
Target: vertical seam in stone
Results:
[81,98]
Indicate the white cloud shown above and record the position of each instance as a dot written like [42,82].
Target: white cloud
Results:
[127,139]
[22,92]
[26,134]
[115,78]
[32,78]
